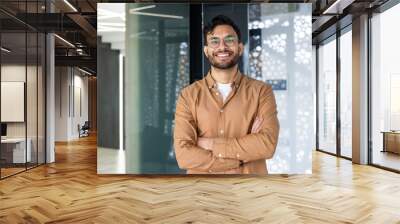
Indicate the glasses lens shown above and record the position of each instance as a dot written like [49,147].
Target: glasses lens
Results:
[214,42]
[229,40]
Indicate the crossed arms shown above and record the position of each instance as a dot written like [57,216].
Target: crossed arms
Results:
[222,154]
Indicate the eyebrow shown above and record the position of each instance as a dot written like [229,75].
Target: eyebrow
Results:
[229,35]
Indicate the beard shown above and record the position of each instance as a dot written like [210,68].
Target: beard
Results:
[226,64]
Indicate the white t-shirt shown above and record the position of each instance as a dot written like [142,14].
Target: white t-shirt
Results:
[224,89]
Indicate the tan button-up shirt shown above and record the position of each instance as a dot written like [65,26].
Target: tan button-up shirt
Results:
[201,112]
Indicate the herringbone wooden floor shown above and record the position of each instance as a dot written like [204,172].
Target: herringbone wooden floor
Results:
[70,191]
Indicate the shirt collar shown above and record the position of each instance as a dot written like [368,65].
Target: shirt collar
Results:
[211,83]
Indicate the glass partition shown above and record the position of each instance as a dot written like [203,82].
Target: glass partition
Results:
[14,154]
[157,48]
[22,89]
[280,54]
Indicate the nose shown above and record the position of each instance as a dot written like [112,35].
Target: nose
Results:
[223,44]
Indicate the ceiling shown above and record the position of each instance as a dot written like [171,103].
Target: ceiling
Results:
[75,23]
[332,15]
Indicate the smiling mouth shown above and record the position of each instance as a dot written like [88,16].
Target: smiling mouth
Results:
[223,55]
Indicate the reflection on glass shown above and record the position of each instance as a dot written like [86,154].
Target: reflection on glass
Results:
[158,51]
[346,94]
[385,89]
[280,54]
[327,96]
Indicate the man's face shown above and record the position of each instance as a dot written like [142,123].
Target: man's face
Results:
[223,48]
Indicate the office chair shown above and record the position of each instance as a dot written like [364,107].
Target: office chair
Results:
[84,130]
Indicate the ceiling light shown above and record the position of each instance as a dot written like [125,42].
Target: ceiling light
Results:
[101,23]
[157,15]
[70,5]
[101,29]
[141,8]
[338,6]
[103,14]
[5,50]
[64,40]
[84,71]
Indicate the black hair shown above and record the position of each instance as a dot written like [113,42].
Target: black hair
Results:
[220,20]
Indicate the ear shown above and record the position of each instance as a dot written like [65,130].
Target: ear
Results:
[205,51]
[241,47]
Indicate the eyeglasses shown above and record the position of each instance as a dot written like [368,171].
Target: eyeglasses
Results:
[228,40]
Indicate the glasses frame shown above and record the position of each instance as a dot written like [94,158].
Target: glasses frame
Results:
[232,38]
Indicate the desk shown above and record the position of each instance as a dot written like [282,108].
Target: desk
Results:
[391,141]
[15,148]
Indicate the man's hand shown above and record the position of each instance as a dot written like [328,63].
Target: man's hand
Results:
[207,143]
[256,125]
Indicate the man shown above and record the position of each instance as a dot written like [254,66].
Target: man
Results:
[227,122]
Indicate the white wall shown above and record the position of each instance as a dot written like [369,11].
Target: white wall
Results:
[80,83]
[70,83]
[61,103]
[13,100]
[16,73]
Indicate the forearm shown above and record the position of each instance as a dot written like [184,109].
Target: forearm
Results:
[254,146]
[250,147]
[191,157]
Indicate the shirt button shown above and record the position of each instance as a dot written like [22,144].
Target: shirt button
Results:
[210,171]
[222,131]
[217,94]
[220,155]
[237,155]
[221,111]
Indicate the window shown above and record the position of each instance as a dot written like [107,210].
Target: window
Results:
[327,96]
[346,93]
[385,88]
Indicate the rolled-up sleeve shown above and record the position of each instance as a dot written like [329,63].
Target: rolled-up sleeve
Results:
[188,155]
[254,146]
